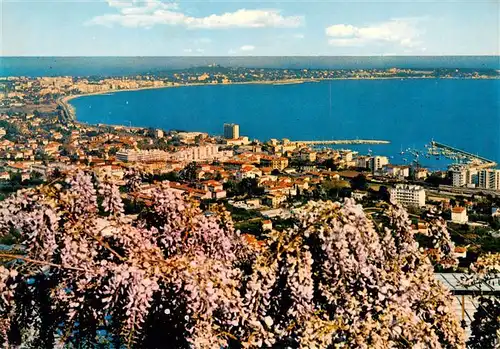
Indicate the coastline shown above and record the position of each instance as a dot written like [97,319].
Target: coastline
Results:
[70,110]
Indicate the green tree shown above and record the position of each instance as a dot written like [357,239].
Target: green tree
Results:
[486,324]
[15,177]
[359,182]
[188,173]
[330,164]
[249,186]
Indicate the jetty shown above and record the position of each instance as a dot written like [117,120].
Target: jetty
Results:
[341,141]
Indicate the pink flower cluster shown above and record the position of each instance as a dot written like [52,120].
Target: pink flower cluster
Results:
[174,274]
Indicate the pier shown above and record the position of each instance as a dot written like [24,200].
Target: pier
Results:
[453,152]
[342,141]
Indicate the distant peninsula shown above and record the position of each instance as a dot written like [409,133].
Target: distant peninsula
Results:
[26,94]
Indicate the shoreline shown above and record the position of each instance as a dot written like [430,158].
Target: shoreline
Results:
[70,110]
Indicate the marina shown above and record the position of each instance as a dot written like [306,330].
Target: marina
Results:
[342,141]
[440,149]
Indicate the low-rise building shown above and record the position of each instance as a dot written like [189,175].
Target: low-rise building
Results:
[358,195]
[274,200]
[277,163]
[396,171]
[459,215]
[248,171]
[267,225]
[421,173]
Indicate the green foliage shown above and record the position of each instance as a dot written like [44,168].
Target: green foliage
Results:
[188,173]
[486,324]
[253,227]
[12,131]
[330,164]
[359,182]
[480,238]
[240,214]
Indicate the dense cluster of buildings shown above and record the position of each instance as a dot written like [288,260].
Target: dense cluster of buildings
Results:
[271,178]
[471,176]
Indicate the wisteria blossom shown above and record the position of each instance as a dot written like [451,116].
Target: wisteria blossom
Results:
[175,275]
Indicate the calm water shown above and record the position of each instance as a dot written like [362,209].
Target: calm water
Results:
[409,113]
[116,66]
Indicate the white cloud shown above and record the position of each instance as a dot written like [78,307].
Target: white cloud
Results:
[298,36]
[247,48]
[147,13]
[402,32]
[341,30]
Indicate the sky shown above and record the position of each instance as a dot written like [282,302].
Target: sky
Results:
[249,28]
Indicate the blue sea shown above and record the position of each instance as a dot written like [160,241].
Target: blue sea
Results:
[120,66]
[409,113]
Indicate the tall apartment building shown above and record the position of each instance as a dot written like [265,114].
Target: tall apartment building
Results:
[489,179]
[408,195]
[377,162]
[458,176]
[231,131]
[462,176]
[374,163]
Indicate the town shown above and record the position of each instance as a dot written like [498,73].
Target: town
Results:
[260,183]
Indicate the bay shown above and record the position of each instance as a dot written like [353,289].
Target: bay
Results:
[409,113]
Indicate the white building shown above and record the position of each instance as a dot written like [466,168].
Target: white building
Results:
[397,171]
[408,195]
[231,131]
[464,176]
[458,176]
[267,225]
[489,179]
[459,215]
[206,152]
[142,155]
[159,133]
[362,161]
[377,162]
[190,137]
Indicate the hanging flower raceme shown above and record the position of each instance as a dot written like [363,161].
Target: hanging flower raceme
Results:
[334,279]
[90,274]
[104,274]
